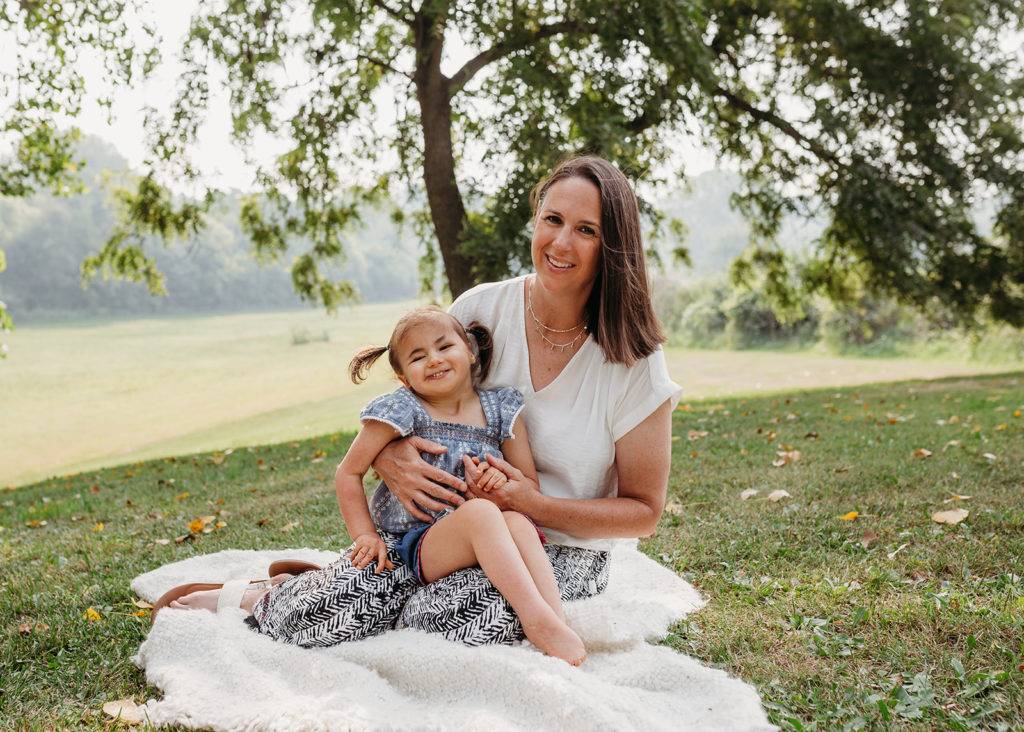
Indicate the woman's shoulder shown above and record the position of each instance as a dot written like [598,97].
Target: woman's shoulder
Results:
[475,302]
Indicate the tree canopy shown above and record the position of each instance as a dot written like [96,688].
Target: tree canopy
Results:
[890,120]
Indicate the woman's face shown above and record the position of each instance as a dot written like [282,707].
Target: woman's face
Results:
[567,236]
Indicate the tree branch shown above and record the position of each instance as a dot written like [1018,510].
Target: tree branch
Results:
[391,11]
[763,115]
[499,50]
[384,65]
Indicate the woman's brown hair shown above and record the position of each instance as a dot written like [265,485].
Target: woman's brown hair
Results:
[475,335]
[619,312]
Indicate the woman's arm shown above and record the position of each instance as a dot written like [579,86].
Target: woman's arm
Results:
[413,480]
[643,457]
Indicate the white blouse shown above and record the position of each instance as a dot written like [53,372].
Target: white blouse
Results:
[575,420]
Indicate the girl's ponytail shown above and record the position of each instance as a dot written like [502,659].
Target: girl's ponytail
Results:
[482,346]
[363,360]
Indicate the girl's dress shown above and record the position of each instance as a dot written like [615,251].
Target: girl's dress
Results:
[406,414]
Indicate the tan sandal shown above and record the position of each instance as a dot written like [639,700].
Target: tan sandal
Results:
[291,566]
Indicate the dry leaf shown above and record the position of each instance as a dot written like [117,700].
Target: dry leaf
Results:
[218,458]
[674,508]
[956,497]
[318,456]
[776,496]
[263,522]
[987,455]
[812,435]
[195,525]
[1001,427]
[684,408]
[694,435]
[91,615]
[786,457]
[25,628]
[868,538]
[748,493]
[220,525]
[182,539]
[141,613]
[892,555]
[1016,412]
[289,526]
[162,542]
[181,496]
[952,517]
[851,516]
[921,453]
[142,603]
[125,710]
[94,489]
[951,443]
[98,527]
[35,523]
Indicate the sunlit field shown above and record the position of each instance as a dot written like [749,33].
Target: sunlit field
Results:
[87,395]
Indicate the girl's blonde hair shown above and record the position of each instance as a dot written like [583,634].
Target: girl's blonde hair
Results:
[476,336]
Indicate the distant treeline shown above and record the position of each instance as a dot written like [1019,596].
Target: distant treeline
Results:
[47,237]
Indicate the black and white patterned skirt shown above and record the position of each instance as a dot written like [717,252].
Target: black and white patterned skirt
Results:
[341,603]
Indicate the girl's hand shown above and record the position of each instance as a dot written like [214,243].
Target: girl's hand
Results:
[367,548]
[491,478]
[509,496]
[416,483]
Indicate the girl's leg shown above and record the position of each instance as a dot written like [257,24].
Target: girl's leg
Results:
[476,533]
[524,533]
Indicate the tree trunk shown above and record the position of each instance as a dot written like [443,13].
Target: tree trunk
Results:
[443,196]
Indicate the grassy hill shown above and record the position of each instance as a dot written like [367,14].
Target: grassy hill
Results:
[883,620]
[91,394]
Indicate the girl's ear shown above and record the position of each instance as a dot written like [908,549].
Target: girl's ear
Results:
[405,381]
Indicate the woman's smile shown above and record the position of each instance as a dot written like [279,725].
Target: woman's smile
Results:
[558,264]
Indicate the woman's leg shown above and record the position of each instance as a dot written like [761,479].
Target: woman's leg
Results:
[207,599]
[466,608]
[525,535]
[476,533]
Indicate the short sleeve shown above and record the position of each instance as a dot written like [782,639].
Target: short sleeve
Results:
[510,405]
[395,409]
[648,386]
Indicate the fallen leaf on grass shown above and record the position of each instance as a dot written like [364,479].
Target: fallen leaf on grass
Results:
[218,458]
[952,517]
[868,538]
[951,443]
[35,523]
[694,435]
[749,493]
[162,542]
[684,408]
[674,508]
[956,497]
[851,516]
[1002,426]
[183,538]
[94,489]
[220,525]
[786,457]
[25,628]
[98,527]
[125,710]
[181,496]
[196,525]
[989,456]
[263,522]
[318,456]
[289,526]
[921,453]
[776,496]
[892,555]
[142,603]
[812,435]
[1016,413]
[91,615]
[140,613]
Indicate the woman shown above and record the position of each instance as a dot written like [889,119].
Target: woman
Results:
[580,339]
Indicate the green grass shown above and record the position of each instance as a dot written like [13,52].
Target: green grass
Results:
[88,395]
[888,621]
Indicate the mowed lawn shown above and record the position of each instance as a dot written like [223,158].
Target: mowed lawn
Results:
[89,395]
[843,601]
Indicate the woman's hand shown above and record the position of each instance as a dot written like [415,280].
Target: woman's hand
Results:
[416,483]
[370,547]
[508,496]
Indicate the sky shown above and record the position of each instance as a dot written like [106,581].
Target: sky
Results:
[221,163]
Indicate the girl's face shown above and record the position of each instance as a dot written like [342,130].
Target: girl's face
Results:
[435,359]
[566,244]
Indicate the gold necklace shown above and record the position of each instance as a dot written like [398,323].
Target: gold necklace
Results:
[541,327]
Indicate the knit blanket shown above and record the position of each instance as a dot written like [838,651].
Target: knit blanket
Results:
[217,673]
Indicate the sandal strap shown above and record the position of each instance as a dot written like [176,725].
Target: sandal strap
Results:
[231,594]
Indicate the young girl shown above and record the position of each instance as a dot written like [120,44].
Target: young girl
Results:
[432,355]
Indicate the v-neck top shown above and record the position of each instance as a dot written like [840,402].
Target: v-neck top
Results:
[406,414]
[576,419]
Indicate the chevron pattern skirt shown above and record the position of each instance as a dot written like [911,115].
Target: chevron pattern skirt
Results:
[341,603]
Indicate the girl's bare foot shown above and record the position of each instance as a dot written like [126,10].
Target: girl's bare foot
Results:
[207,599]
[555,638]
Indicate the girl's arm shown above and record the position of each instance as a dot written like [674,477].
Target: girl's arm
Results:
[643,457]
[348,485]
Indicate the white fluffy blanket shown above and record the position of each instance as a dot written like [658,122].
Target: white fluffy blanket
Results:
[215,672]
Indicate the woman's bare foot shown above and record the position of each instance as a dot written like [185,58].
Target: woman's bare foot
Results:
[551,635]
[207,599]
